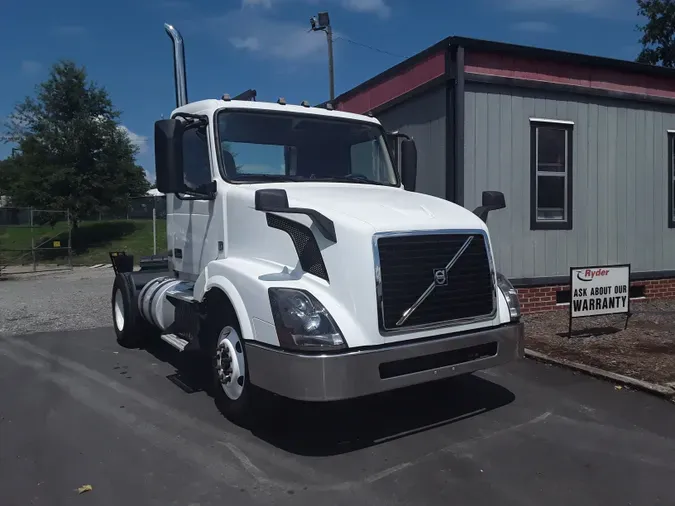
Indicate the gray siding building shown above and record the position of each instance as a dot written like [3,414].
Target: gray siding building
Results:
[581,147]
[612,192]
[423,118]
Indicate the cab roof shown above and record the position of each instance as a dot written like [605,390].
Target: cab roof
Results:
[209,106]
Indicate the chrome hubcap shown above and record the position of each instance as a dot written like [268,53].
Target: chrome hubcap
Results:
[230,364]
[224,364]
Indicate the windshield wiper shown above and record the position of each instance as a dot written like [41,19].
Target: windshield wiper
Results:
[353,178]
[266,177]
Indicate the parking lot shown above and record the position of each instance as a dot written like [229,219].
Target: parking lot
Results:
[136,425]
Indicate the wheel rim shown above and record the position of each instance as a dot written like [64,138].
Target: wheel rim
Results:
[119,310]
[230,365]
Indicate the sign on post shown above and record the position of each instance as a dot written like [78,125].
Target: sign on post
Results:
[599,290]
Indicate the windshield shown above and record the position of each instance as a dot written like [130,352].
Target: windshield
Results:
[292,147]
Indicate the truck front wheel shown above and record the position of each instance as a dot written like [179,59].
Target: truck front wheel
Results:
[232,390]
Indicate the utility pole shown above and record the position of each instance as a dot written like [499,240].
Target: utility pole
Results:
[322,23]
[331,72]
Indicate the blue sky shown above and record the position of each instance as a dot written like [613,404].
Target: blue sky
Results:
[233,45]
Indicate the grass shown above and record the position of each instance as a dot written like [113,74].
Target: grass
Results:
[91,241]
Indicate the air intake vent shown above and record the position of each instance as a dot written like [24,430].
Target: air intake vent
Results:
[305,244]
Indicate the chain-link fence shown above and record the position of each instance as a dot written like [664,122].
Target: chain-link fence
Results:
[34,239]
[150,208]
[140,208]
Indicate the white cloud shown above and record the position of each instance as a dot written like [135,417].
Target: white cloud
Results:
[150,176]
[140,141]
[378,7]
[267,37]
[534,26]
[30,67]
[251,43]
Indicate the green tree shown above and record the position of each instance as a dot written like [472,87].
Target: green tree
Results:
[72,152]
[658,33]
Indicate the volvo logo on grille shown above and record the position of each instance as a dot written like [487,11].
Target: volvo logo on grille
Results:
[440,277]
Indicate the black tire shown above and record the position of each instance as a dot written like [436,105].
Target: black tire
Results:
[241,410]
[131,329]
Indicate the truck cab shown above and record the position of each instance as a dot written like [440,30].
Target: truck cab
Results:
[301,262]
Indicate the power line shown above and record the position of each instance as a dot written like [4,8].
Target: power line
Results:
[370,47]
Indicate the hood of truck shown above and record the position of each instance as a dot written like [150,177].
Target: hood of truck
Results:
[358,211]
[383,208]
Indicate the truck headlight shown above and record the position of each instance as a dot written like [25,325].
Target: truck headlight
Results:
[302,322]
[511,296]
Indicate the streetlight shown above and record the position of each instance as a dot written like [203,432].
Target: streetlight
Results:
[322,23]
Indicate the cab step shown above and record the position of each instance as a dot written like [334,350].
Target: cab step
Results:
[175,341]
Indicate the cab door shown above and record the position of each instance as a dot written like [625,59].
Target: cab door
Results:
[192,244]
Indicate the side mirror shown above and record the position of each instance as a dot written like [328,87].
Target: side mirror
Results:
[408,164]
[268,199]
[169,155]
[491,201]
[494,200]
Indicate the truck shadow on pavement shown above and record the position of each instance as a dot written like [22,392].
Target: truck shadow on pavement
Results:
[333,428]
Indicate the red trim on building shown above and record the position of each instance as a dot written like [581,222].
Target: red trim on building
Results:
[543,298]
[519,67]
[421,73]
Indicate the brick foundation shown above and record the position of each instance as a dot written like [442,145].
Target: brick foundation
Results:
[543,298]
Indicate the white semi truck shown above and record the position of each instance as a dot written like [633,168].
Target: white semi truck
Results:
[302,262]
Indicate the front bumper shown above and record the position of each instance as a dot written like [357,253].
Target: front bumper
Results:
[362,372]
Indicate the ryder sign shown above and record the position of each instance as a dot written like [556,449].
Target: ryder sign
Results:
[599,290]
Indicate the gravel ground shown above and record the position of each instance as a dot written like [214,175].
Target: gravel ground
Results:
[70,300]
[644,350]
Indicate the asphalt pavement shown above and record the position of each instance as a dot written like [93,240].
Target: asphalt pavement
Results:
[136,425]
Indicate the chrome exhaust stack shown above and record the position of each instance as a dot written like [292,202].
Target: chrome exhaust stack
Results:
[179,73]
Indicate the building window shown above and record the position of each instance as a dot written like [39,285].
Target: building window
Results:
[671,179]
[551,175]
